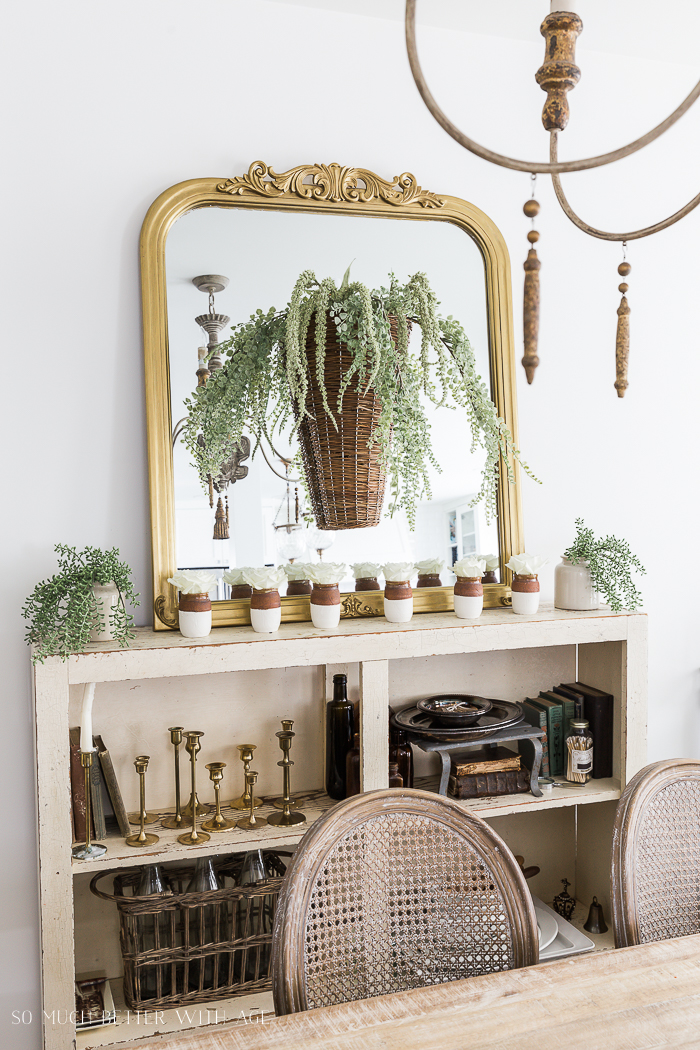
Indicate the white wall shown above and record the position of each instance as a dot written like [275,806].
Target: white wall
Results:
[110,104]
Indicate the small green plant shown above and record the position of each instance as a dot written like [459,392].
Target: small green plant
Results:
[611,563]
[263,383]
[63,611]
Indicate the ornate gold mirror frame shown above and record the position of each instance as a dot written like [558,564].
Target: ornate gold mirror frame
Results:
[333,190]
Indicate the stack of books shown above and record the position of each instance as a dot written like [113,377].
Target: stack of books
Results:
[553,710]
[108,813]
[487,771]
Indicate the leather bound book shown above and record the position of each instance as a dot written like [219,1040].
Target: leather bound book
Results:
[485,760]
[483,785]
[598,710]
[77,787]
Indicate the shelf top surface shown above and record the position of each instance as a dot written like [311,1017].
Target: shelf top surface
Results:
[168,653]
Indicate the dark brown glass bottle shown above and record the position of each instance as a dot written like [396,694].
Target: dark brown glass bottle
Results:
[395,778]
[402,752]
[340,729]
[352,768]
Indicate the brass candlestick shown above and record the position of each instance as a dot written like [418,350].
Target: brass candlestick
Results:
[192,747]
[89,849]
[286,818]
[251,822]
[279,803]
[200,807]
[217,822]
[143,838]
[246,755]
[176,820]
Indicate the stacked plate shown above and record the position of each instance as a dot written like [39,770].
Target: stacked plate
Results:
[454,718]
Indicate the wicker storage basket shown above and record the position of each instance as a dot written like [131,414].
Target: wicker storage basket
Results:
[345,476]
[196,947]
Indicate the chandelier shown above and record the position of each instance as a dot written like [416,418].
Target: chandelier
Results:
[557,76]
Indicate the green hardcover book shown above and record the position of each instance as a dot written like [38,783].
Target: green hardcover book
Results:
[555,732]
[538,718]
[568,711]
[568,699]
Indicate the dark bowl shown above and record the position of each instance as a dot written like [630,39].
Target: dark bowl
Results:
[455,709]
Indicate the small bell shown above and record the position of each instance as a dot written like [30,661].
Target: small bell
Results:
[595,923]
[564,903]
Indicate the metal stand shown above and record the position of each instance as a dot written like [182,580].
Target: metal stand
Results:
[520,732]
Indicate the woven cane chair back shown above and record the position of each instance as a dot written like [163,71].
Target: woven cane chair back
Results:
[656,855]
[393,890]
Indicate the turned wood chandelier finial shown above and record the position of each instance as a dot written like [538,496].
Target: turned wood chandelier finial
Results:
[557,75]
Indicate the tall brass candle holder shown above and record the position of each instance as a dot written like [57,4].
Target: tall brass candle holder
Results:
[192,747]
[251,822]
[176,820]
[279,803]
[199,807]
[287,817]
[246,756]
[88,849]
[142,837]
[217,822]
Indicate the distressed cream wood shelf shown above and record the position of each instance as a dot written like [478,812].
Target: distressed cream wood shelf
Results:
[505,653]
[119,855]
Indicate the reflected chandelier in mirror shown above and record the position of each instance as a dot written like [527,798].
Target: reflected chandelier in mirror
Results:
[264,230]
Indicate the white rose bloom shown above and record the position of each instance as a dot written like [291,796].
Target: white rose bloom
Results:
[526,564]
[470,567]
[327,572]
[188,581]
[366,570]
[269,577]
[399,571]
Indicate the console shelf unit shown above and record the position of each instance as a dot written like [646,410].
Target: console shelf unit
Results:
[607,650]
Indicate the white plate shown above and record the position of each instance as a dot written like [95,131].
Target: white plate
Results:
[547,925]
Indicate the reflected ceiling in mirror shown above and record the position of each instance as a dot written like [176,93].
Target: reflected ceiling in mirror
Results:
[262,253]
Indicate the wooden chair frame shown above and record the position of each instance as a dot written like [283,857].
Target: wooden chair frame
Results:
[288,973]
[629,817]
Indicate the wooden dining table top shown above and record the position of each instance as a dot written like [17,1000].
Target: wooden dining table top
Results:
[637,998]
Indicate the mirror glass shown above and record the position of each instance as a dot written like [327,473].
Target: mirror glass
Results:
[262,253]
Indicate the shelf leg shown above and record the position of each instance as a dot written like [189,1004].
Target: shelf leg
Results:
[374,725]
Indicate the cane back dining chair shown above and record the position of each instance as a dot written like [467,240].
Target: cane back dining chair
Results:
[392,890]
[656,854]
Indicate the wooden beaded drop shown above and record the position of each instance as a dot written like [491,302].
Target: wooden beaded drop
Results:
[622,343]
[531,295]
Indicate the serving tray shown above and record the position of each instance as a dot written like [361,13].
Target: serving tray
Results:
[502,715]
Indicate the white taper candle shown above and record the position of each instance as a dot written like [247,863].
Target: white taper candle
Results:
[86,743]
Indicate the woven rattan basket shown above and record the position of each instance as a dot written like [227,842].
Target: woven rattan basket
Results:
[345,475]
[196,947]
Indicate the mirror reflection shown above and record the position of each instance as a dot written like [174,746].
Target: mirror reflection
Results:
[257,512]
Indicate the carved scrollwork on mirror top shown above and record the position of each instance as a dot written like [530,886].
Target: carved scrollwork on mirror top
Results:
[325,189]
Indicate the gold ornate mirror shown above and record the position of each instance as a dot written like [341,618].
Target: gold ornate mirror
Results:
[261,230]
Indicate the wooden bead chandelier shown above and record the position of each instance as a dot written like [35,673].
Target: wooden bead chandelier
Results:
[558,75]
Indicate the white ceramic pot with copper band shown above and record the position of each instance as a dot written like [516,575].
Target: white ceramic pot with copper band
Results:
[525,592]
[398,601]
[325,605]
[266,610]
[194,615]
[469,597]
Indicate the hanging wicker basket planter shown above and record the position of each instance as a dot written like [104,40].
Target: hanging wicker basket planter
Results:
[344,473]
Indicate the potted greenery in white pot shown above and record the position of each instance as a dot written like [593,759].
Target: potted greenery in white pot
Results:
[593,568]
[335,365]
[84,602]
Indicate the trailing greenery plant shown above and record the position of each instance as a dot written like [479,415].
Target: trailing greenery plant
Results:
[263,383]
[611,563]
[63,611]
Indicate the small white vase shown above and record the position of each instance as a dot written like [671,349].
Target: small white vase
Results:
[265,611]
[525,593]
[265,621]
[468,597]
[573,588]
[325,616]
[194,615]
[469,607]
[107,598]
